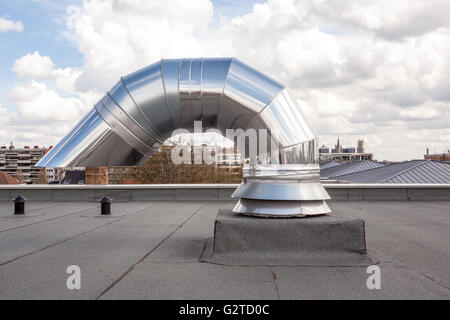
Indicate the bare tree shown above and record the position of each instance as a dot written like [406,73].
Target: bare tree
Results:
[161,169]
[42,177]
[19,175]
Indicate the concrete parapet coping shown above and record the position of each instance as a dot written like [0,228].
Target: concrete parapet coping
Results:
[221,186]
[118,186]
[184,192]
[386,185]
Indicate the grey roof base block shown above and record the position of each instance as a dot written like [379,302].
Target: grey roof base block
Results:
[320,241]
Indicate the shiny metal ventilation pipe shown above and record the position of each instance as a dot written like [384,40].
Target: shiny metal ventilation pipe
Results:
[144,108]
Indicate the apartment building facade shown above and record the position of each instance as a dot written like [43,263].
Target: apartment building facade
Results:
[341,154]
[19,162]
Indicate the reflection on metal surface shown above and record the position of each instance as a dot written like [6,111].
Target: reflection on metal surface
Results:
[281,191]
[281,209]
[144,108]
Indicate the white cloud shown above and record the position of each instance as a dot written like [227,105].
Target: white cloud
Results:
[388,19]
[47,102]
[117,37]
[373,69]
[35,102]
[41,117]
[5,132]
[33,66]
[40,99]
[9,25]
[43,109]
[4,115]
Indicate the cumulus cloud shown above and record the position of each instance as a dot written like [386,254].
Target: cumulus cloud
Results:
[42,115]
[35,102]
[5,133]
[9,25]
[392,20]
[47,102]
[117,37]
[34,66]
[373,69]
[4,115]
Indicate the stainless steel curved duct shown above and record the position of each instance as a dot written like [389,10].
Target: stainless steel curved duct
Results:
[144,108]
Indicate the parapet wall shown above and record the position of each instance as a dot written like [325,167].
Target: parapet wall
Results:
[199,192]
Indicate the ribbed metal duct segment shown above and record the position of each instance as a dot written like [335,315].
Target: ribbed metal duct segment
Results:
[144,109]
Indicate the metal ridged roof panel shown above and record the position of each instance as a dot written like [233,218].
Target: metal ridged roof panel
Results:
[415,171]
[329,164]
[428,171]
[378,175]
[349,168]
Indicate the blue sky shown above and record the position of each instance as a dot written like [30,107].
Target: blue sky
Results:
[44,23]
[43,26]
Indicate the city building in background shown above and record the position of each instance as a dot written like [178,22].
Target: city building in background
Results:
[74,176]
[227,157]
[445,156]
[122,175]
[344,154]
[340,164]
[54,175]
[360,146]
[19,162]
[226,168]
[96,175]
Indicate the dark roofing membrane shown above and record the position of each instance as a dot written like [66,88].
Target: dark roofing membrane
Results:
[408,238]
[415,171]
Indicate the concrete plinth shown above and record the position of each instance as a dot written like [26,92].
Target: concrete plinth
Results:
[315,241]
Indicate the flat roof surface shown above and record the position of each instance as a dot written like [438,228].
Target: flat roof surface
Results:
[151,250]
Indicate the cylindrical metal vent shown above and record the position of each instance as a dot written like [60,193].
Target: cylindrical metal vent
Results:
[144,108]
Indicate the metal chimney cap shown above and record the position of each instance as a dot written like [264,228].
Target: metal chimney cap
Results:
[106,199]
[19,199]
